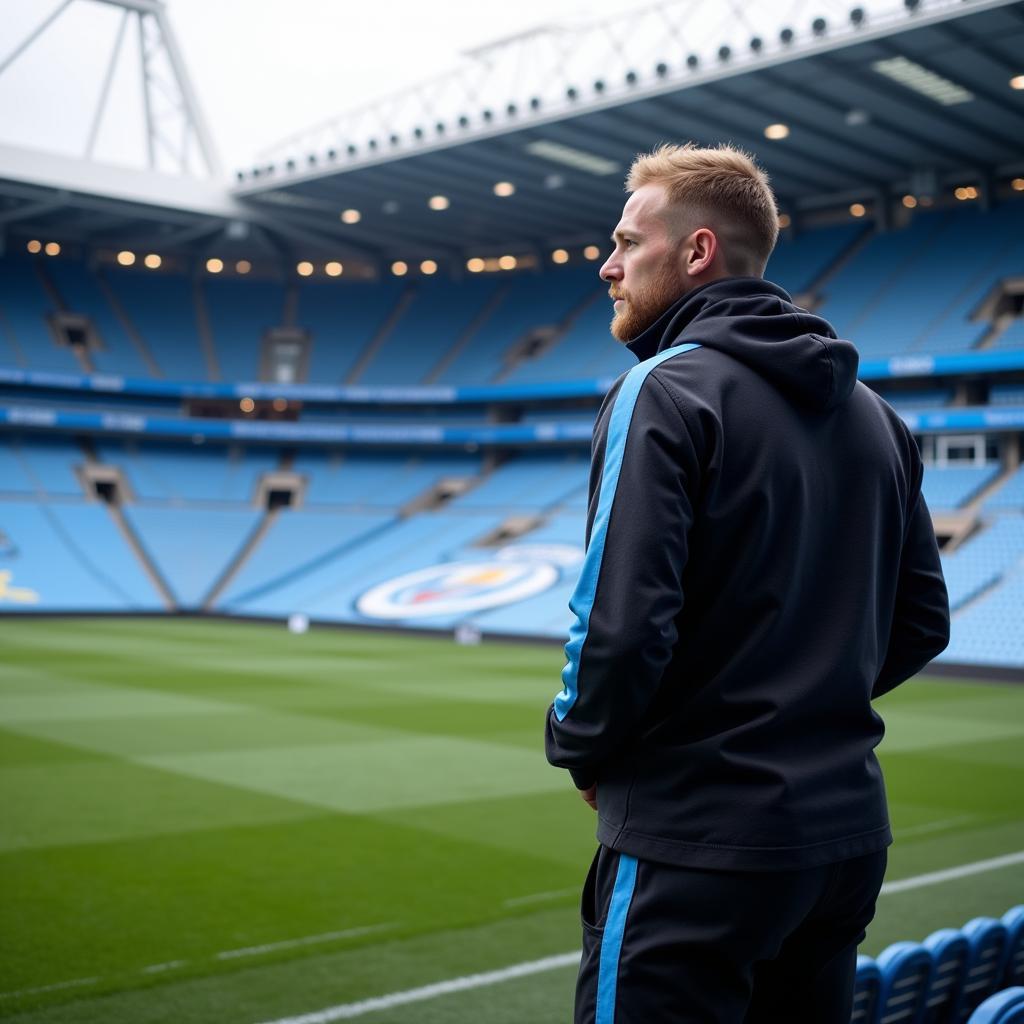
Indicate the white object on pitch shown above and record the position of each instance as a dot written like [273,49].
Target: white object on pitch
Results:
[298,623]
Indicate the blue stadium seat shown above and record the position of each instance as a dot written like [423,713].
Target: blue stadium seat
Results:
[949,951]
[1013,972]
[986,938]
[867,989]
[906,977]
[1003,1008]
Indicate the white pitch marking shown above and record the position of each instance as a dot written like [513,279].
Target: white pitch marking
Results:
[935,877]
[49,988]
[169,966]
[347,1011]
[441,988]
[307,940]
[540,897]
[934,826]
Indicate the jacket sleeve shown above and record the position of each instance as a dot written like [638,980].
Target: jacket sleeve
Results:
[920,626]
[629,592]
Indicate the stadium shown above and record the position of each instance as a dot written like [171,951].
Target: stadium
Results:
[293,490]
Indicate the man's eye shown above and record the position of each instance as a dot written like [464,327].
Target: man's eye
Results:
[627,242]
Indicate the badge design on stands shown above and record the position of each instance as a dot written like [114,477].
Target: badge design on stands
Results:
[511,574]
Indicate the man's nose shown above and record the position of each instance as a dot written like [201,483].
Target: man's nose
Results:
[611,271]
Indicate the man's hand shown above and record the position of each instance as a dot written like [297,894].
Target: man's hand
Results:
[590,796]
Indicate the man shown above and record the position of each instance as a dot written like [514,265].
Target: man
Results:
[760,564]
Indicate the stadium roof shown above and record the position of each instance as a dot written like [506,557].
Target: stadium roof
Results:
[915,103]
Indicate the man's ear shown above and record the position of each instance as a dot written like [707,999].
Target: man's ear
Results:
[701,250]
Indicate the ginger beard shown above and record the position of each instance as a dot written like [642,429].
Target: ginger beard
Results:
[642,307]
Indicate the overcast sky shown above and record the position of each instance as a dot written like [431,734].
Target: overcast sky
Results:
[263,68]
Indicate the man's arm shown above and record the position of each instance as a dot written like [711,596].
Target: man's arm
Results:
[920,625]
[630,587]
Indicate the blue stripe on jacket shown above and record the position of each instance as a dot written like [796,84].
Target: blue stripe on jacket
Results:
[582,600]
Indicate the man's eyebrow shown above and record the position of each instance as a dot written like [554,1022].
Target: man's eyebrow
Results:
[621,233]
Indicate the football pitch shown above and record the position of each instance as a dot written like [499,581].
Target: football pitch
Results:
[205,822]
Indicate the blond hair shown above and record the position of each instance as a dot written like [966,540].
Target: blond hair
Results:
[720,185]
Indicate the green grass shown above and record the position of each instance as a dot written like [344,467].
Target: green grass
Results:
[375,809]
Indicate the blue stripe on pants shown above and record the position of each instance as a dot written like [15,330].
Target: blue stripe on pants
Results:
[611,942]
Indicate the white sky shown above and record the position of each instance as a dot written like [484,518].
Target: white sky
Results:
[263,68]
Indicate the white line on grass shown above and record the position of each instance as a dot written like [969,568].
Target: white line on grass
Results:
[307,940]
[934,826]
[440,988]
[49,988]
[935,877]
[169,966]
[540,897]
[347,1011]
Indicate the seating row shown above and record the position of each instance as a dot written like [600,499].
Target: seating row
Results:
[945,978]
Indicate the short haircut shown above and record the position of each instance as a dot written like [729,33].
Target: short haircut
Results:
[723,185]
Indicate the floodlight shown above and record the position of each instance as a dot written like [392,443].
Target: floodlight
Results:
[52,249]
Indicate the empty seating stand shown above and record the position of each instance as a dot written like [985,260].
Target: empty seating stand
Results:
[950,978]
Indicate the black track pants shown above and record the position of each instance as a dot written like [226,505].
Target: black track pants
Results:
[671,945]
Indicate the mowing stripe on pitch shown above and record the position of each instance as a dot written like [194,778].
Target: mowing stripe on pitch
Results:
[347,1011]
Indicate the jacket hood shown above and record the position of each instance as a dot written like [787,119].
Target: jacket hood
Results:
[758,323]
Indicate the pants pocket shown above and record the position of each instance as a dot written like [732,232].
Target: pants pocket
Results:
[591,909]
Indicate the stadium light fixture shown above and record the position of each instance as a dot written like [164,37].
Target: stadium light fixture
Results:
[1017,184]
[399,268]
[428,267]
[507,262]
[1017,82]
[560,256]
[333,269]
[776,131]
[52,249]
[785,220]
[504,188]
[591,252]
[247,405]
[570,156]
[351,216]
[966,192]
[152,261]
[280,404]
[910,202]
[34,246]
[304,268]
[857,209]
[475,265]
[439,202]
[243,267]
[126,258]
[919,78]
[214,265]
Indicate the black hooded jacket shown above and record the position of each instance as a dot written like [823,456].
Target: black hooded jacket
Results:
[760,564]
